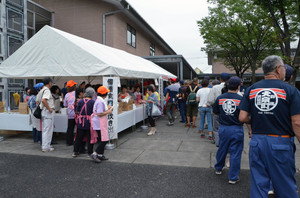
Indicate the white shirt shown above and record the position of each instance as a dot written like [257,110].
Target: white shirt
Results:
[203,95]
[45,93]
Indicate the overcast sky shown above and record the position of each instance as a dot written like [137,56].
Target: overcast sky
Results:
[175,22]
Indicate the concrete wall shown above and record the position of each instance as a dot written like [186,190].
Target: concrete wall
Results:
[84,18]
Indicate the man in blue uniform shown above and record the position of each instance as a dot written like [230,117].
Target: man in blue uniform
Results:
[231,132]
[275,118]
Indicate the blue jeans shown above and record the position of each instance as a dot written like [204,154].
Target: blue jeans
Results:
[205,111]
[37,135]
[182,108]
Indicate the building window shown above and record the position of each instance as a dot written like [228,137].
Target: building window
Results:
[131,36]
[152,49]
[18,3]
[14,21]
[13,44]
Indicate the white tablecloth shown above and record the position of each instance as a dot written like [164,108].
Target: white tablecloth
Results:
[20,122]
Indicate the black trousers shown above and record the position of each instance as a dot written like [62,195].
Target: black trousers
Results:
[70,131]
[151,121]
[78,144]
[101,144]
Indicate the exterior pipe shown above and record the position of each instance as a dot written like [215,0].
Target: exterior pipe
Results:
[104,22]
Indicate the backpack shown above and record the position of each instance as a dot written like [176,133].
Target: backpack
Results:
[192,96]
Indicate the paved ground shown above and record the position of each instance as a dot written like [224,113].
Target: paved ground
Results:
[175,162]
[175,146]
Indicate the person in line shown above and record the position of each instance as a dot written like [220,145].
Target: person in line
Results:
[55,94]
[231,131]
[172,91]
[243,88]
[214,93]
[36,123]
[205,111]
[69,102]
[47,107]
[85,110]
[192,104]
[82,85]
[275,119]
[152,100]
[99,120]
[27,94]
[182,102]
[64,91]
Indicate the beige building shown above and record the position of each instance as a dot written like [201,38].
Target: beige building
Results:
[115,23]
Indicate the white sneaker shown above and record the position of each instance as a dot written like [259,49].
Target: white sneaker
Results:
[48,150]
[233,181]
[150,133]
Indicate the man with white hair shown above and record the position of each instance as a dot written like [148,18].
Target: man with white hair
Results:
[275,118]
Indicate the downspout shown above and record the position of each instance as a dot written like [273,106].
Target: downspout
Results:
[104,22]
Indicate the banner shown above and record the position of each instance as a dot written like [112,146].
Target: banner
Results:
[112,100]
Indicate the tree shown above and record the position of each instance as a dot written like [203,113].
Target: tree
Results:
[240,32]
[284,16]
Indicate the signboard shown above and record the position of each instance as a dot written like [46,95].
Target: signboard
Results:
[112,100]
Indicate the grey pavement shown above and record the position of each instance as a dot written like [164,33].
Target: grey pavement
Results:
[172,145]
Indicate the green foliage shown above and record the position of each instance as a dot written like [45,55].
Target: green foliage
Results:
[284,16]
[239,31]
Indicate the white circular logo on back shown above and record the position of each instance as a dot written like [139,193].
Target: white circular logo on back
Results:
[266,100]
[229,106]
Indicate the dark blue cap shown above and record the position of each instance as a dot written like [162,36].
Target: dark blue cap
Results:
[234,81]
[181,82]
[225,76]
[289,72]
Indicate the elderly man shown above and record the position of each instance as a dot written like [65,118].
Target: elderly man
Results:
[275,119]
[47,106]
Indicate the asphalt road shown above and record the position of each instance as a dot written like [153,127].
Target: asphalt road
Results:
[35,176]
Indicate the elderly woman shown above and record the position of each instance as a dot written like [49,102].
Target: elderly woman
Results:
[99,122]
[152,100]
[85,110]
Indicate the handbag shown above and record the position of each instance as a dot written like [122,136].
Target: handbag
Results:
[38,112]
[155,110]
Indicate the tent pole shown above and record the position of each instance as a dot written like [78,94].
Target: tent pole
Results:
[144,127]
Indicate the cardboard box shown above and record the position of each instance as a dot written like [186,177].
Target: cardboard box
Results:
[23,108]
[127,107]
[2,107]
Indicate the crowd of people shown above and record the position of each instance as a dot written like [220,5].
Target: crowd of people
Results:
[268,108]
[87,113]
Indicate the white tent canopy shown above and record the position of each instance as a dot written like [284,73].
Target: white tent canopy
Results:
[52,52]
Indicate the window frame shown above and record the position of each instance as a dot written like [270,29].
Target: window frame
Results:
[9,2]
[22,24]
[131,32]
[8,48]
[152,49]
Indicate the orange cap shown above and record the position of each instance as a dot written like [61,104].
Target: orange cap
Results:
[71,83]
[103,90]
